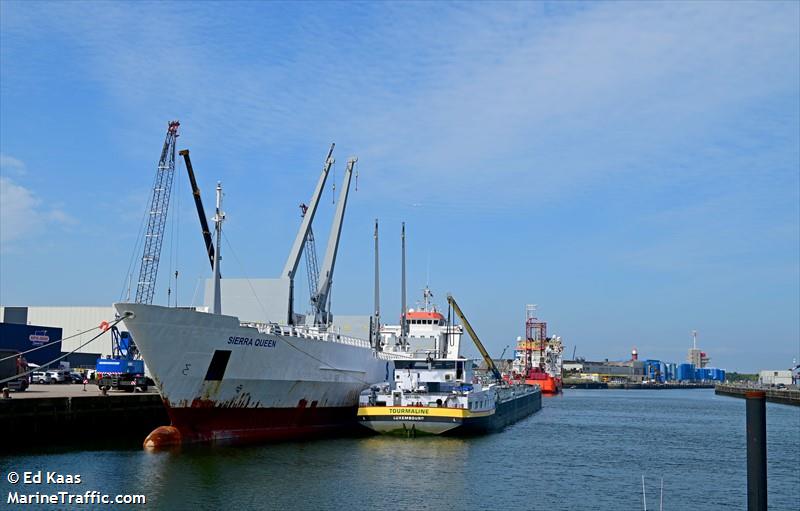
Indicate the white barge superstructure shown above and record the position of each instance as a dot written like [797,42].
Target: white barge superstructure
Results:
[436,390]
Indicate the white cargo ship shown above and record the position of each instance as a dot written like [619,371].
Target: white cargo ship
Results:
[225,376]
[224,380]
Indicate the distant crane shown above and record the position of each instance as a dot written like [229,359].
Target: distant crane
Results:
[158,207]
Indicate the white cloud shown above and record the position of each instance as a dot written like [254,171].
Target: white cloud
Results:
[18,212]
[11,165]
[23,214]
[514,98]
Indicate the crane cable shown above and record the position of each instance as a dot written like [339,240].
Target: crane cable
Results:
[65,355]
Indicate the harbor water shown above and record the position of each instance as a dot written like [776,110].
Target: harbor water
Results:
[586,449]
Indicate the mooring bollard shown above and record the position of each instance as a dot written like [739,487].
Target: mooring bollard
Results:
[756,450]
[6,393]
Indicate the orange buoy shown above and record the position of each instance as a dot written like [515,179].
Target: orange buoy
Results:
[104,326]
[163,437]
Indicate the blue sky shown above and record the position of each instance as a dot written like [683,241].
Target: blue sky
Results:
[632,168]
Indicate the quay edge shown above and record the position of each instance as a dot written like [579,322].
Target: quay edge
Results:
[783,396]
[117,420]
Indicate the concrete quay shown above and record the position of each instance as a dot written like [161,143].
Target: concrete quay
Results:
[787,396]
[582,384]
[53,415]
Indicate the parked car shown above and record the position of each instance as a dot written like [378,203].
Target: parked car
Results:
[59,376]
[42,377]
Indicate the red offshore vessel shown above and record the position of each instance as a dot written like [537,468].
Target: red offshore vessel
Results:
[538,357]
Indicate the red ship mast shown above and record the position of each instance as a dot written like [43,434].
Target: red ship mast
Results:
[535,338]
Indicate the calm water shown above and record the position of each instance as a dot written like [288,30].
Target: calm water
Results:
[585,450]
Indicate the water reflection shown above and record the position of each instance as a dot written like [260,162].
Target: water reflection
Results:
[585,450]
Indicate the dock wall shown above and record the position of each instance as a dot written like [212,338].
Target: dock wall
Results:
[124,419]
[784,396]
[634,386]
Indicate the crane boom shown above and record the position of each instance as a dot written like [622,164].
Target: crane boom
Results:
[326,273]
[296,251]
[158,208]
[484,353]
[201,212]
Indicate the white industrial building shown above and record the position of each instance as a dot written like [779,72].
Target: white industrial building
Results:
[71,321]
[779,377]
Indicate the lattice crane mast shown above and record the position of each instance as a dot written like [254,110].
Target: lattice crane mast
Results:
[157,218]
[312,266]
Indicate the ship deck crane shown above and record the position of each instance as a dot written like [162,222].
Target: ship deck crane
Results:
[320,301]
[158,208]
[290,269]
[201,212]
[485,354]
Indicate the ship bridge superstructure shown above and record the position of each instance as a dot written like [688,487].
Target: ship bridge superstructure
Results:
[427,332]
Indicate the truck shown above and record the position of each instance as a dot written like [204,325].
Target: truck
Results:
[124,370]
[10,366]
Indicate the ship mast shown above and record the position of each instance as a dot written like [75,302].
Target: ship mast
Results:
[219,217]
[403,322]
[376,327]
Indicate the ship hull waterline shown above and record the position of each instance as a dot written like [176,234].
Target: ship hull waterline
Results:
[223,382]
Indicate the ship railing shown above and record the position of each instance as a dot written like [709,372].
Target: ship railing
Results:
[314,334]
[393,355]
[306,333]
[346,339]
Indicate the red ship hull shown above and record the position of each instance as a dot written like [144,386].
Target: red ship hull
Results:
[250,425]
[549,384]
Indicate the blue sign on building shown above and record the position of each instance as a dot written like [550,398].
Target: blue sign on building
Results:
[25,337]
